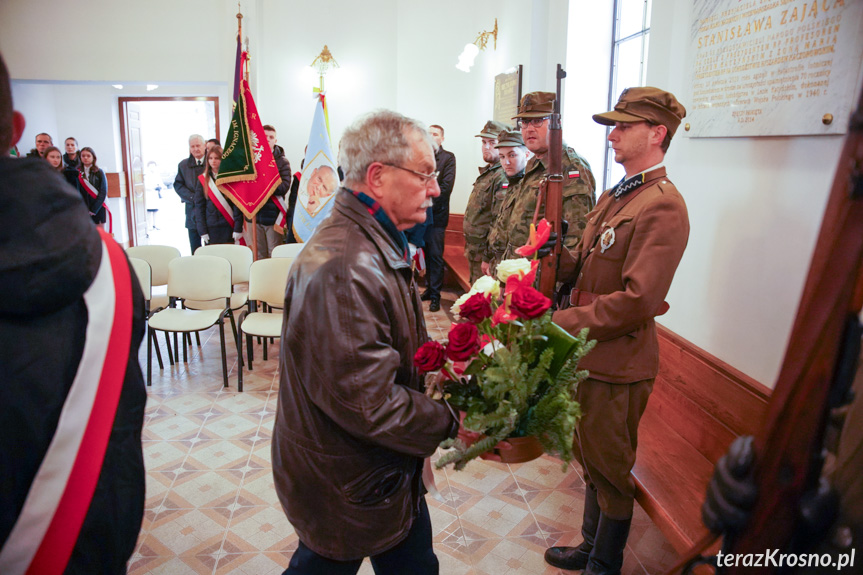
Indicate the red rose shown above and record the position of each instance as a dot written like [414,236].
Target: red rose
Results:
[463,342]
[528,303]
[430,356]
[476,308]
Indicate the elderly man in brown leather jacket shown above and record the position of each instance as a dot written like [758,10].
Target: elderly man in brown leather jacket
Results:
[353,424]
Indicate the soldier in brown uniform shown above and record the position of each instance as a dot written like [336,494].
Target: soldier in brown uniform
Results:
[479,214]
[512,229]
[622,270]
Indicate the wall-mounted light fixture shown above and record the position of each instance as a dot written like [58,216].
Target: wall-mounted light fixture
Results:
[469,54]
[322,64]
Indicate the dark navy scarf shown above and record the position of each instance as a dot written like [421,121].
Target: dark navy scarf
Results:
[378,213]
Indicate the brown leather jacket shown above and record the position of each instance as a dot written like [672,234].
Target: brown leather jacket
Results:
[352,424]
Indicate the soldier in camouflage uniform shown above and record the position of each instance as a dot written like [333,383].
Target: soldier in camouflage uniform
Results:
[479,214]
[513,158]
[520,203]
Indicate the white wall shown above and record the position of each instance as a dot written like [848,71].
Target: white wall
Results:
[755,207]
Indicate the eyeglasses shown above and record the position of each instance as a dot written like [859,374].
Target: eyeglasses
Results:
[427,178]
[535,122]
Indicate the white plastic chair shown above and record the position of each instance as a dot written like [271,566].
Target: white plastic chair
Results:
[199,278]
[158,257]
[142,271]
[267,282]
[287,250]
[241,259]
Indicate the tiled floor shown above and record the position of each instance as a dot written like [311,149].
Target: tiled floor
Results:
[212,507]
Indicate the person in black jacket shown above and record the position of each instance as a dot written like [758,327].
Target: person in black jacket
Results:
[435,233]
[44,327]
[188,171]
[213,226]
[71,159]
[96,176]
[268,236]
[43,140]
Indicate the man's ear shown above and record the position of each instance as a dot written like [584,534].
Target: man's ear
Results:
[18,124]
[659,134]
[375,179]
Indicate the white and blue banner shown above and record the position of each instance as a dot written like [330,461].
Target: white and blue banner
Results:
[320,178]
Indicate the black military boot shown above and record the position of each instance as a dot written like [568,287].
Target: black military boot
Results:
[575,558]
[607,555]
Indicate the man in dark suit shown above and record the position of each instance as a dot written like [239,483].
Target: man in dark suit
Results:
[188,171]
[445,163]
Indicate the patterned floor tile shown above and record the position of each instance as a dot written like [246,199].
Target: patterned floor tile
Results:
[220,454]
[250,564]
[546,472]
[233,425]
[204,490]
[171,427]
[249,401]
[184,530]
[261,529]
[493,517]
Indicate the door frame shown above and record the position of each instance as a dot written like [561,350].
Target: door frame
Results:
[124,144]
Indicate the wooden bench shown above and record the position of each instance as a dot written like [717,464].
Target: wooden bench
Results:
[699,405]
[457,268]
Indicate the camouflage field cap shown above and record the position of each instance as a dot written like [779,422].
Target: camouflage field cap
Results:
[536,105]
[491,129]
[645,103]
[509,139]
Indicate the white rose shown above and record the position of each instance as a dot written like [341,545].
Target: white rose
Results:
[508,267]
[458,303]
[486,285]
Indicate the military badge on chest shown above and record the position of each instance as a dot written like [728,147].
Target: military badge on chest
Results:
[606,240]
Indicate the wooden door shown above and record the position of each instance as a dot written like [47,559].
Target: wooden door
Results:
[134,166]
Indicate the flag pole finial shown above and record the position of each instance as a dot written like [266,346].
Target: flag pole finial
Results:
[239,20]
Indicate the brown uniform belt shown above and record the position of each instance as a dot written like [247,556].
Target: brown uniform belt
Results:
[578,298]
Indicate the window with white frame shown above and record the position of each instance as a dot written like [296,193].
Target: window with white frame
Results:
[630,38]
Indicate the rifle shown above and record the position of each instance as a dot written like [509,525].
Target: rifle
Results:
[551,189]
[815,377]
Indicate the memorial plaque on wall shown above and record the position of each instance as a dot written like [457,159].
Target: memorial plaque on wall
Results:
[773,67]
[507,94]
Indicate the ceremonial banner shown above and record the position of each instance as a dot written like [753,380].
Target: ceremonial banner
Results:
[320,178]
[248,173]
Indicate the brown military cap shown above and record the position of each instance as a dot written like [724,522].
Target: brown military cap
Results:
[509,139]
[536,105]
[645,103]
[492,129]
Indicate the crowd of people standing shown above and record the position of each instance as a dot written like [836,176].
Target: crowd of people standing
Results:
[80,169]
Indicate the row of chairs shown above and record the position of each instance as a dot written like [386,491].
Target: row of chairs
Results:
[203,286]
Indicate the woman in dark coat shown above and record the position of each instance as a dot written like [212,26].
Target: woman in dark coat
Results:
[93,174]
[212,224]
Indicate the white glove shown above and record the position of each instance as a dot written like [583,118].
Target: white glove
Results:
[238,236]
[205,239]
[413,250]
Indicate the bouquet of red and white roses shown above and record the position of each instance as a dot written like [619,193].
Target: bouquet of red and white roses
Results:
[508,367]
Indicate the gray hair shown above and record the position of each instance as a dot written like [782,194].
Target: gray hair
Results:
[194,137]
[381,136]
